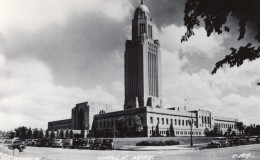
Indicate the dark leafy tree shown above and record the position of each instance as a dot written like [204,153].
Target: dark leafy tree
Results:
[21,132]
[240,126]
[67,134]
[121,126]
[47,135]
[233,133]
[41,135]
[17,133]
[11,135]
[229,131]
[217,131]
[71,134]
[29,134]
[171,131]
[52,136]
[157,132]
[61,134]
[137,125]
[36,133]
[215,14]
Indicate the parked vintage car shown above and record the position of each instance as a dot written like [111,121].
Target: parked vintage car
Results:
[236,141]
[218,142]
[107,144]
[244,140]
[31,142]
[51,142]
[76,143]
[230,141]
[254,139]
[86,143]
[15,144]
[67,143]
[57,143]
[42,143]
[97,144]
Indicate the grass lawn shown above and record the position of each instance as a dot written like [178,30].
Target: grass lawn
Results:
[119,142]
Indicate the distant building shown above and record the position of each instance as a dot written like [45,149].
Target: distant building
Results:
[143,94]
[81,117]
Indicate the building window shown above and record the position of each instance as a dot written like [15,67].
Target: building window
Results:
[175,120]
[162,120]
[112,123]
[158,120]
[202,119]
[100,124]
[179,122]
[186,122]
[104,124]
[151,120]
[182,122]
[108,124]
[171,121]
[150,31]
[167,122]
[142,28]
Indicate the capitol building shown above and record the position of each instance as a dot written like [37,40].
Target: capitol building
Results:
[143,94]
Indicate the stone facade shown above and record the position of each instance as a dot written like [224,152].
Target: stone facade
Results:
[142,64]
[150,117]
[81,117]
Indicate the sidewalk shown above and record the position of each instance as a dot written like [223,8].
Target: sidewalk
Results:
[158,148]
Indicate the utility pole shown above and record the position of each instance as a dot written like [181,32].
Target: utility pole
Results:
[191,124]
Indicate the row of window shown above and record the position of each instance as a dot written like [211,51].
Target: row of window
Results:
[176,121]
[180,132]
[111,123]
[60,127]
[205,120]
[224,125]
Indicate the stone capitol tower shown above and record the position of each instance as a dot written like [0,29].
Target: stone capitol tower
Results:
[142,63]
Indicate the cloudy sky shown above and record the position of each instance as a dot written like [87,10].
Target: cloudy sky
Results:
[56,53]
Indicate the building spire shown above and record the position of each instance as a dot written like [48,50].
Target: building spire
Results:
[142,2]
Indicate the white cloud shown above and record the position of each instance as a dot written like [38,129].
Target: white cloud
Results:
[219,93]
[29,97]
[170,37]
[35,14]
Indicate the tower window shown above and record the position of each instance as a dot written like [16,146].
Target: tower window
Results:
[150,31]
[142,28]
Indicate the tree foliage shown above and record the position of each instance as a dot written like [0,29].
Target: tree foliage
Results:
[52,136]
[61,134]
[214,13]
[29,134]
[47,135]
[71,134]
[121,126]
[171,131]
[137,125]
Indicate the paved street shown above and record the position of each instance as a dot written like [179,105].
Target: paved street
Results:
[245,152]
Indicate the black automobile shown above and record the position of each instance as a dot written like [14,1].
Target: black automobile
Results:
[254,139]
[76,143]
[15,144]
[86,143]
[107,144]
[236,141]
[51,142]
[230,141]
[244,140]
[97,144]
[43,143]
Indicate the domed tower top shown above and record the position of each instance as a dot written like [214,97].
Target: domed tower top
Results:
[141,11]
